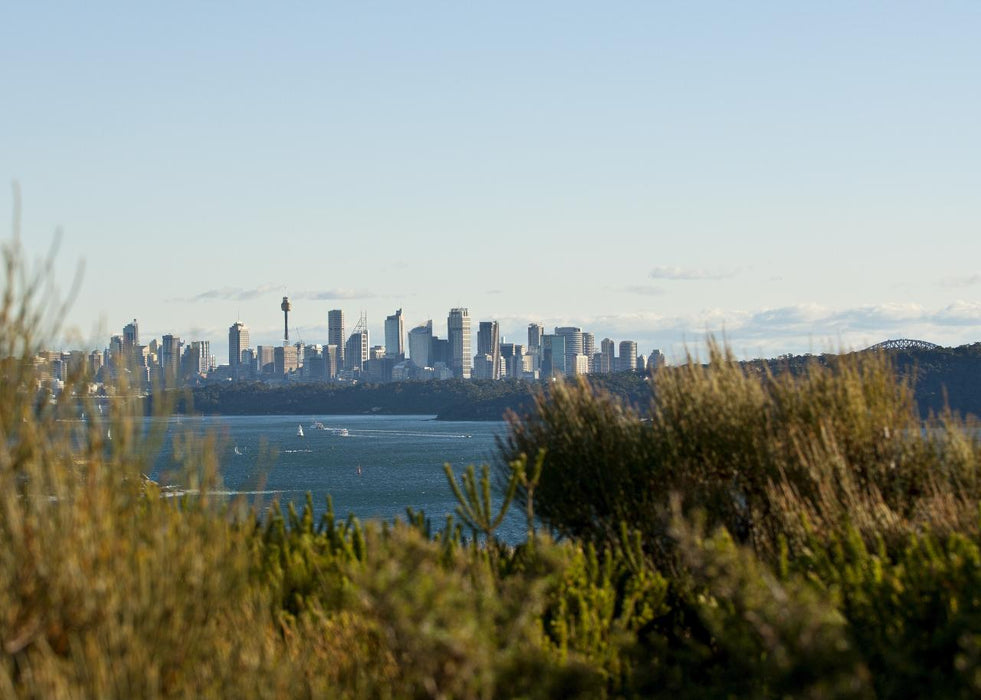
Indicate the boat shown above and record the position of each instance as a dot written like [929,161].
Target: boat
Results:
[342,432]
[299,431]
[359,470]
[238,451]
[317,425]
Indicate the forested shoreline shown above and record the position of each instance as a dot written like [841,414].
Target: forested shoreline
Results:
[942,378]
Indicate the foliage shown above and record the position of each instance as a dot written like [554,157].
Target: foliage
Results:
[750,534]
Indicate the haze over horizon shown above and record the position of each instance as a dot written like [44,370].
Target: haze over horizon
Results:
[797,178]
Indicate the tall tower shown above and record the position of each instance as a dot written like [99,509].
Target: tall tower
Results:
[488,343]
[395,335]
[421,344]
[628,356]
[285,306]
[238,340]
[131,335]
[335,333]
[356,353]
[458,335]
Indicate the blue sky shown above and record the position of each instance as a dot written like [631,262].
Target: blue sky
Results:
[798,177]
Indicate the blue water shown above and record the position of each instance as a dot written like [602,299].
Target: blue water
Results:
[400,459]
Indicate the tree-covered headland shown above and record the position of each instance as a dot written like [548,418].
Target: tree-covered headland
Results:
[748,533]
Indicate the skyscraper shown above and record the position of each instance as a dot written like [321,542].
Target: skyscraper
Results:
[608,360]
[335,333]
[170,358]
[535,333]
[488,343]
[573,346]
[395,336]
[357,348]
[238,340]
[421,344]
[628,356]
[458,335]
[131,335]
[553,355]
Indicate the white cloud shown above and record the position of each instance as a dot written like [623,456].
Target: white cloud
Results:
[231,293]
[668,272]
[336,293]
[962,281]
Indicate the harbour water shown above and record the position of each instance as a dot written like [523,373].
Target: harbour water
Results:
[372,466]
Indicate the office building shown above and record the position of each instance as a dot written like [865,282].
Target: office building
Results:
[607,357]
[421,344]
[131,335]
[458,335]
[356,351]
[286,359]
[265,360]
[335,333]
[573,346]
[489,345]
[238,341]
[395,336]
[170,358]
[535,333]
[628,356]
[553,355]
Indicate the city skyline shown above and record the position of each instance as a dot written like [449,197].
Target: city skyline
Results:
[796,179]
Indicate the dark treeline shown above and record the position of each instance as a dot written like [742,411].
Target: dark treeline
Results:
[449,400]
[942,377]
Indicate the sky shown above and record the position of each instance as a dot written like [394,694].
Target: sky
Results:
[793,177]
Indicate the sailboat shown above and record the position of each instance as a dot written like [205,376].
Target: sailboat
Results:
[299,431]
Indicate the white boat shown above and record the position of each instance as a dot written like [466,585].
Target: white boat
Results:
[299,431]
[342,432]
[317,425]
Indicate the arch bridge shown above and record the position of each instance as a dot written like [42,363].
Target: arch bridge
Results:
[904,344]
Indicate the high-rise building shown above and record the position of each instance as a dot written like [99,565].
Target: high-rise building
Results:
[395,336]
[608,356]
[357,348]
[458,335]
[196,359]
[573,346]
[535,333]
[356,351]
[286,359]
[489,344]
[131,335]
[512,359]
[628,356]
[589,348]
[170,358]
[421,344]
[553,355]
[238,340]
[335,333]
[265,360]
[655,360]
[331,361]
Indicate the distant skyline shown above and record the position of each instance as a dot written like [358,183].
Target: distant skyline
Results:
[796,177]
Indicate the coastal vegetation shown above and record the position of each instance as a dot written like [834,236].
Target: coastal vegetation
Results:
[744,533]
[941,379]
